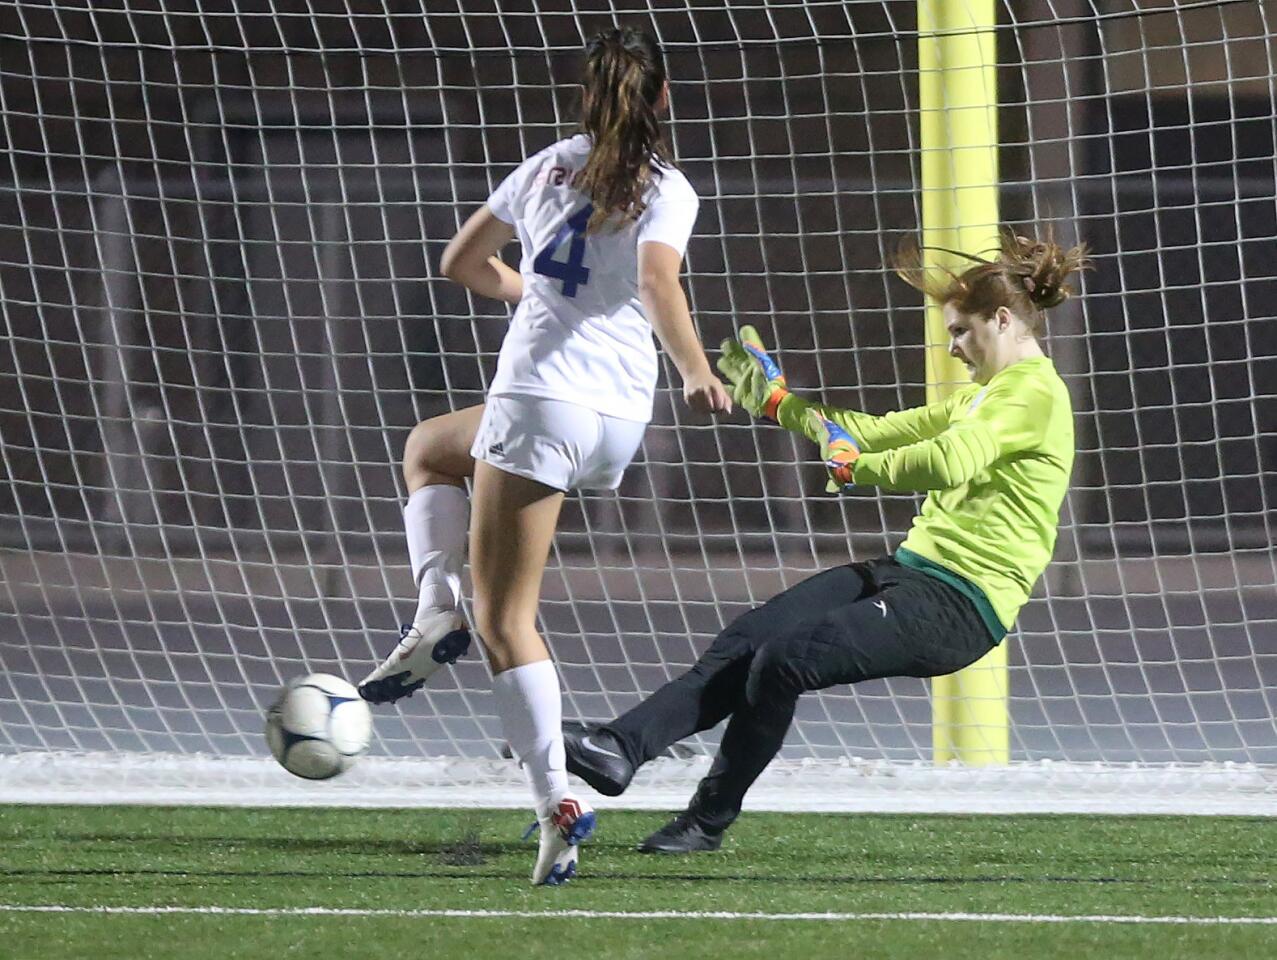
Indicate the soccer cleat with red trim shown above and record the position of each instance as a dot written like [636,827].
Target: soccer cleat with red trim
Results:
[423,648]
[570,822]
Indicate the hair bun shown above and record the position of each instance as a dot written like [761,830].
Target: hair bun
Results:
[1041,266]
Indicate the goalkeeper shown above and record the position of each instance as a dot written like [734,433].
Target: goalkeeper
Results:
[994,460]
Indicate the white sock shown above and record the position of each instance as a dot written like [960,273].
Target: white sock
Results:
[437,520]
[530,706]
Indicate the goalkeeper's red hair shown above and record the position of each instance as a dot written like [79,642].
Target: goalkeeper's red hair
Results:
[1027,276]
[624,90]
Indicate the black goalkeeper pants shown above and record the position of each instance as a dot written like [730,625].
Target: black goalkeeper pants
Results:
[858,622]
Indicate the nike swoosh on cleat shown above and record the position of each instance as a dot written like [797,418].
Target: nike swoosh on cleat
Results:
[591,745]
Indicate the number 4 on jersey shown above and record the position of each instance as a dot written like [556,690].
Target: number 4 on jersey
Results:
[571,271]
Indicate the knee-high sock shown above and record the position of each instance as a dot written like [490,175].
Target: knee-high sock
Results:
[437,519]
[530,706]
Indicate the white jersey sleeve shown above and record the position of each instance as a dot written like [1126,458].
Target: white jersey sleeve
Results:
[670,215]
[506,201]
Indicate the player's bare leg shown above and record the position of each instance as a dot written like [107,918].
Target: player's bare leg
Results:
[514,523]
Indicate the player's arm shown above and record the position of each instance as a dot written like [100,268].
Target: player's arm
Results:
[666,307]
[471,258]
[1010,418]
[877,433]
[759,386]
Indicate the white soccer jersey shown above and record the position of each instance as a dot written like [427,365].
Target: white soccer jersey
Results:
[580,333]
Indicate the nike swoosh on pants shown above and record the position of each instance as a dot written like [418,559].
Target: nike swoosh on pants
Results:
[590,745]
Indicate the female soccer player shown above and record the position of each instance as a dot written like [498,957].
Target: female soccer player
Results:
[994,460]
[603,219]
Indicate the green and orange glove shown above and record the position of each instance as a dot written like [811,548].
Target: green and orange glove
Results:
[838,449]
[757,383]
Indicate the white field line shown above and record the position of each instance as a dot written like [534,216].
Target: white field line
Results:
[647,915]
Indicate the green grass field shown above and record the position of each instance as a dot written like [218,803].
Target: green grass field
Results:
[391,867]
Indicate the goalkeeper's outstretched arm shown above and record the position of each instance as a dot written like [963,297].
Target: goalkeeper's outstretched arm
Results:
[759,386]
[986,426]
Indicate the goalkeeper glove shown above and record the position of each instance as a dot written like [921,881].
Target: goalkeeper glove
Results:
[838,449]
[757,383]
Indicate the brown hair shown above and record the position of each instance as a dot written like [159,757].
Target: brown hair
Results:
[1027,277]
[624,76]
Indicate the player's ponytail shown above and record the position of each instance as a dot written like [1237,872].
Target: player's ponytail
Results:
[1027,277]
[624,77]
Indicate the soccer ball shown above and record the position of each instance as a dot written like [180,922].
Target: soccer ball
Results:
[318,726]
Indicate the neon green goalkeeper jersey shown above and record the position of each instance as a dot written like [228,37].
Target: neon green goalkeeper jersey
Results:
[994,461]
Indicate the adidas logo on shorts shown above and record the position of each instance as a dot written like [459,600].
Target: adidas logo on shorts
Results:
[497,449]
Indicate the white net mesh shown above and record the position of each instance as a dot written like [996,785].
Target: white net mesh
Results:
[219,239]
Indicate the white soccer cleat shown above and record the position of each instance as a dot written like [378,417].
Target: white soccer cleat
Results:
[571,822]
[423,648]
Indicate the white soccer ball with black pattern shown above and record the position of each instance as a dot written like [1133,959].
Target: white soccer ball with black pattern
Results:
[318,726]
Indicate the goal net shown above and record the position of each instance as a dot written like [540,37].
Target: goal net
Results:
[222,313]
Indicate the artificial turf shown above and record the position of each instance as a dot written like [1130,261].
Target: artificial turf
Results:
[421,860]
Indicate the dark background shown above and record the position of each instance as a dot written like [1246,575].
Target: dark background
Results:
[219,238]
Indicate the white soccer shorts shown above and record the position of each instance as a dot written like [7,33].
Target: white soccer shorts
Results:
[560,444]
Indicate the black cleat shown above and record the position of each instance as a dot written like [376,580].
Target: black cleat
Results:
[596,757]
[683,834]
